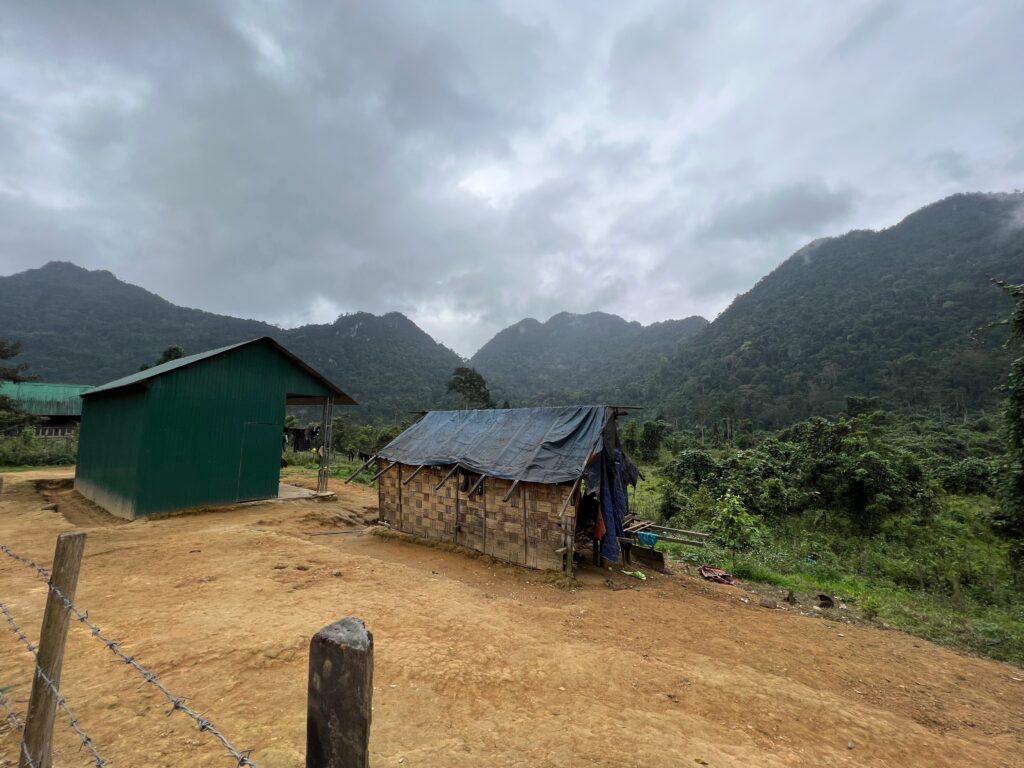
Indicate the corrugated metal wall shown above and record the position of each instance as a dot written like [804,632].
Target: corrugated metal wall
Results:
[109,442]
[211,433]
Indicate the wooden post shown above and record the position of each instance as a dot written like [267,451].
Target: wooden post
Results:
[42,704]
[340,696]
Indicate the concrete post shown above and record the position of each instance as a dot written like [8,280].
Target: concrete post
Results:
[340,696]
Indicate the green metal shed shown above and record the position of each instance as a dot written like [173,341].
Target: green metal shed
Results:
[42,399]
[201,430]
[55,407]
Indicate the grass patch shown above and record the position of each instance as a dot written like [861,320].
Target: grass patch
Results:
[306,464]
[965,622]
[29,451]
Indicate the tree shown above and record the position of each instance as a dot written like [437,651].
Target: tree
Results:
[9,350]
[1011,518]
[472,387]
[173,352]
[733,527]
[10,414]
[652,435]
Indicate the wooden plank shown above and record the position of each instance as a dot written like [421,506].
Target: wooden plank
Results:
[675,540]
[42,704]
[360,470]
[510,491]
[676,531]
[476,485]
[415,472]
[572,492]
[640,525]
[648,556]
[444,480]
[389,466]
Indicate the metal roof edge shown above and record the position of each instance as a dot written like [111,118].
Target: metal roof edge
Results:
[340,398]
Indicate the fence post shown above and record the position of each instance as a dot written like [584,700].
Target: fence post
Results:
[340,696]
[42,704]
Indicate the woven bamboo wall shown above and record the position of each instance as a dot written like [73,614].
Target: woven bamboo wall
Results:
[389,492]
[471,519]
[525,530]
[544,534]
[426,512]
[505,531]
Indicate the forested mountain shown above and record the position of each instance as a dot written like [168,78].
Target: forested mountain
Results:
[571,358]
[900,315]
[88,327]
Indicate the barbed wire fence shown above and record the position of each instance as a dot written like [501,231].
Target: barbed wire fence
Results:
[54,688]
[14,723]
[177,703]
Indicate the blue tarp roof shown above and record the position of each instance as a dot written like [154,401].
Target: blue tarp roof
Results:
[537,445]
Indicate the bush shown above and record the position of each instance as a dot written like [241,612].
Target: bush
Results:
[27,450]
[733,527]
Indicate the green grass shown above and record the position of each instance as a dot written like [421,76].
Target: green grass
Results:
[993,628]
[340,468]
[646,496]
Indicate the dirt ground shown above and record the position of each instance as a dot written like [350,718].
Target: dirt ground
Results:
[477,663]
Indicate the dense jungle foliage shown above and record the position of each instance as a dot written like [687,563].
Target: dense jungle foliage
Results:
[918,523]
[897,515]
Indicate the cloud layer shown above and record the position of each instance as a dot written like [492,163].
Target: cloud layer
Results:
[470,164]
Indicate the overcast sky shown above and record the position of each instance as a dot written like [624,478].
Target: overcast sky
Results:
[471,163]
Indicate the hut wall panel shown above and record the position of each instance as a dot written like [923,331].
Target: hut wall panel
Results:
[472,511]
[544,529]
[389,491]
[426,512]
[506,529]
[525,530]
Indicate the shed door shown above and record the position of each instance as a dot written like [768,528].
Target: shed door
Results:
[259,465]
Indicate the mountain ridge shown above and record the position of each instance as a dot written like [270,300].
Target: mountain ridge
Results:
[90,326]
[902,314]
[588,357]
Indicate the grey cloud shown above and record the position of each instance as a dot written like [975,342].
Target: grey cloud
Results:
[474,163]
[950,164]
[802,208]
[875,18]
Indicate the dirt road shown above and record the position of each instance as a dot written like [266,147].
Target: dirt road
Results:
[477,664]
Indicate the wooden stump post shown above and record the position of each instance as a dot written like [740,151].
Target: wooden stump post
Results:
[42,704]
[340,696]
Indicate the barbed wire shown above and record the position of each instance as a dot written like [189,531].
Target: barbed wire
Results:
[177,703]
[61,701]
[9,714]
[15,722]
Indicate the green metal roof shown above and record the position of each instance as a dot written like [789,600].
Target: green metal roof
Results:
[43,399]
[340,398]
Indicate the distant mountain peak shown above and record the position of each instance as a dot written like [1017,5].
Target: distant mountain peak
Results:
[97,328]
[577,357]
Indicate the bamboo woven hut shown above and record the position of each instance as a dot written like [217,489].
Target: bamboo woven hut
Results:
[517,484]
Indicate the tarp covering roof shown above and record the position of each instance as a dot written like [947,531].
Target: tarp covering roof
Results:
[537,445]
[42,399]
[340,398]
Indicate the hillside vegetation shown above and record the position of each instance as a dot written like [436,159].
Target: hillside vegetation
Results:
[901,315]
[88,327]
[591,358]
